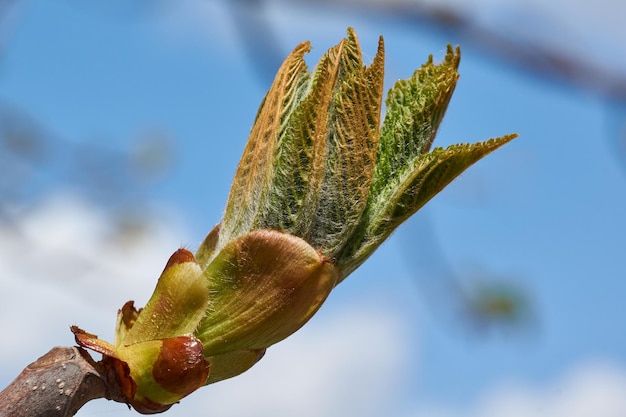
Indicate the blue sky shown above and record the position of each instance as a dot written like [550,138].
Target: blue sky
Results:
[544,213]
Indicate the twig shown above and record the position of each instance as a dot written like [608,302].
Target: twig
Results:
[57,385]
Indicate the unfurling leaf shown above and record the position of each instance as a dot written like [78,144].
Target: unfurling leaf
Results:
[399,200]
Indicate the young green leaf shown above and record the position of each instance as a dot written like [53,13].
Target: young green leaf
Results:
[252,183]
[395,203]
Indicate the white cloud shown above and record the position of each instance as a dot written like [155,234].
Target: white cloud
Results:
[343,362]
[592,389]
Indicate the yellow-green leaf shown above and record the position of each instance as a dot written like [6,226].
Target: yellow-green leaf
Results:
[264,286]
[179,301]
